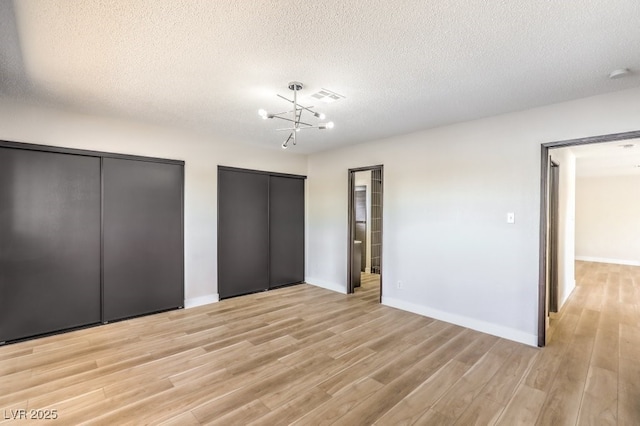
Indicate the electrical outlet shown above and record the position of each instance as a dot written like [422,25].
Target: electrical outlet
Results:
[511,217]
[399,285]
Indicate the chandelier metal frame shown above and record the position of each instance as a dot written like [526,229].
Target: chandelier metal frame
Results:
[294,116]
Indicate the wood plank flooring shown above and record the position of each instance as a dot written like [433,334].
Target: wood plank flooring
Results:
[307,356]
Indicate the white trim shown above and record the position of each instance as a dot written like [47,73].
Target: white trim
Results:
[474,324]
[607,260]
[326,285]
[202,300]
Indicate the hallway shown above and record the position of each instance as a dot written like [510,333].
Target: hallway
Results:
[590,369]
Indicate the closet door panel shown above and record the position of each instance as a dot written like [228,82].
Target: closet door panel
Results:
[49,242]
[286,217]
[143,237]
[243,232]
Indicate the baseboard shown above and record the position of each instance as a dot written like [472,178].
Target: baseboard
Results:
[474,324]
[608,260]
[326,285]
[202,300]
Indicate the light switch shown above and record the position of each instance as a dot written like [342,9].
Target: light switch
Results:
[511,217]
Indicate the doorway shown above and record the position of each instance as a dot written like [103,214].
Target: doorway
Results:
[546,254]
[365,232]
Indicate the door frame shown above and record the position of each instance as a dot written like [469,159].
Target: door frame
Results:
[544,187]
[552,242]
[351,222]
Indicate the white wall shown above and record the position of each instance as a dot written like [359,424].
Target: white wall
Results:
[608,219]
[446,195]
[32,124]
[566,222]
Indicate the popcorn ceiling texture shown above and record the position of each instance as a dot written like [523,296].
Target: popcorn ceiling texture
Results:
[402,65]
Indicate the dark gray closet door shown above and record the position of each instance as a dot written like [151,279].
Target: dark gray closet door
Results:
[286,227]
[243,232]
[143,242]
[49,242]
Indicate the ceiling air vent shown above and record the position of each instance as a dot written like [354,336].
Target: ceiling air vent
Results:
[327,96]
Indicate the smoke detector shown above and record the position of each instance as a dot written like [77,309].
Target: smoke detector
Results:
[619,73]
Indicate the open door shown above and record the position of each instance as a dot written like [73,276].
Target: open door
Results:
[554,176]
[362,203]
[365,229]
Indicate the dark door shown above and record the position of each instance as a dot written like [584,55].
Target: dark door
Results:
[143,242]
[49,242]
[376,221]
[360,203]
[243,232]
[286,230]
[554,176]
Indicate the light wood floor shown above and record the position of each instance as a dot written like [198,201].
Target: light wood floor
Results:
[369,289]
[309,356]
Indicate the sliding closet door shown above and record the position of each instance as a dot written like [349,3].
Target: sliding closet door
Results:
[286,227]
[243,232]
[143,248]
[49,242]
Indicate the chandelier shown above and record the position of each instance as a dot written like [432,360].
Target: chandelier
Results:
[294,116]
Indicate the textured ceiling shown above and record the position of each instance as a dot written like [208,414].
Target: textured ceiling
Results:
[402,65]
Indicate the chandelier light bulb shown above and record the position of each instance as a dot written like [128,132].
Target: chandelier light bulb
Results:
[328,125]
[262,113]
